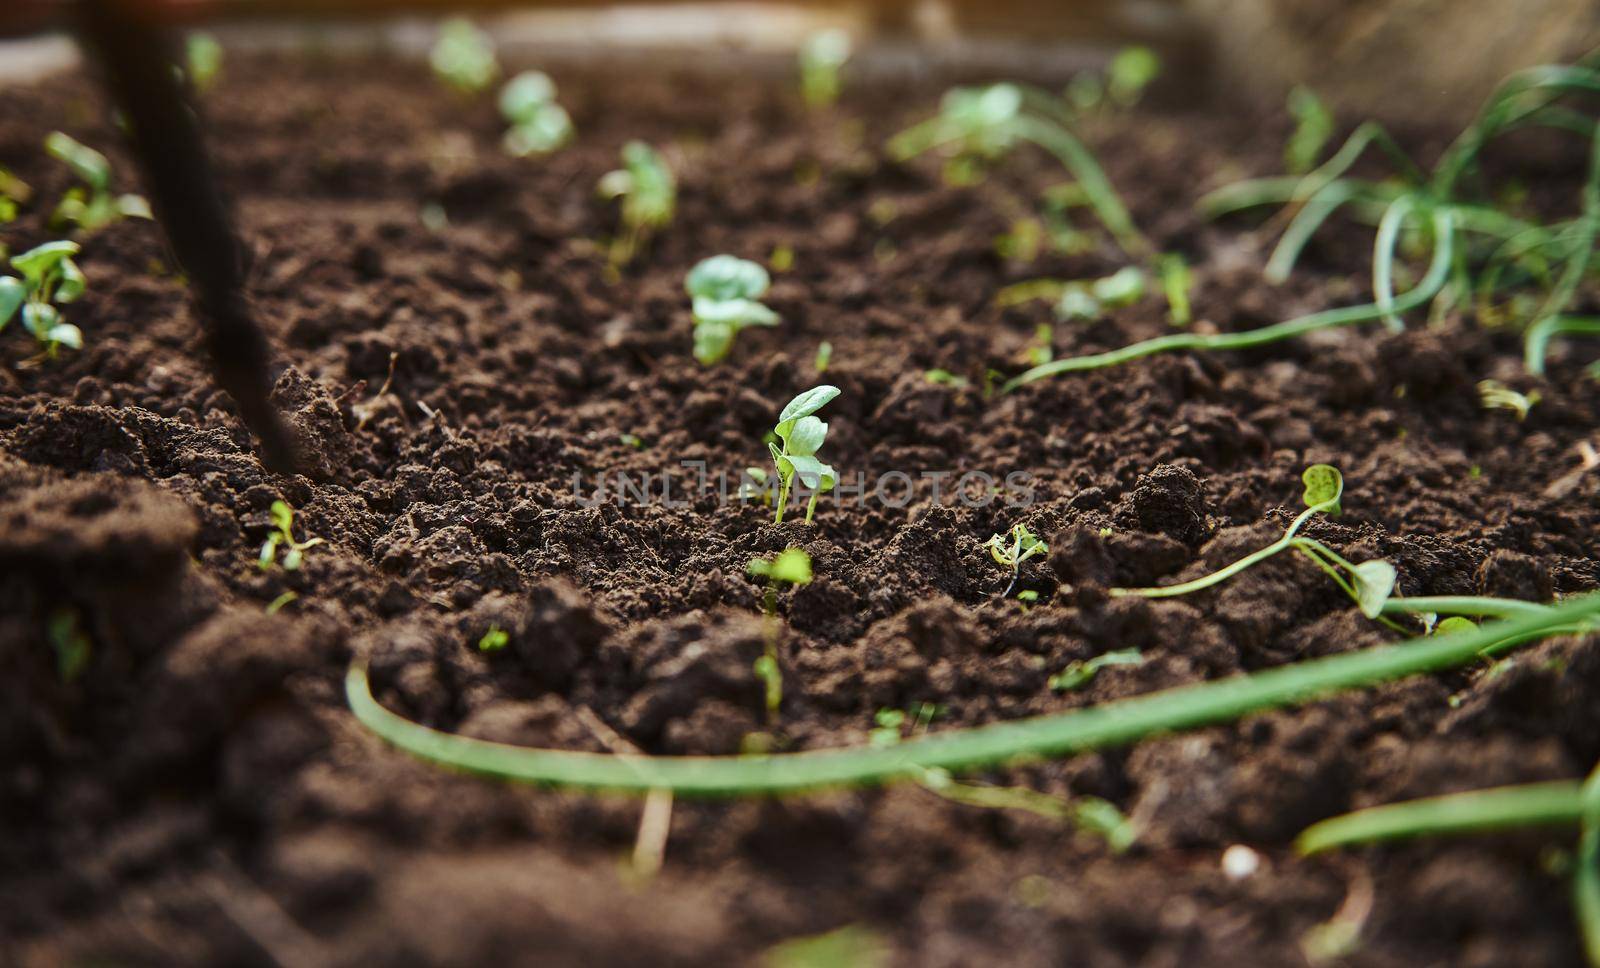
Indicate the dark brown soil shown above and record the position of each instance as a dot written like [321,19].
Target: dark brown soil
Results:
[200,795]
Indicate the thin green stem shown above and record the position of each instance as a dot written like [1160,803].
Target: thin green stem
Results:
[1536,342]
[1111,724]
[1586,878]
[1383,251]
[1473,605]
[1080,161]
[1426,289]
[1497,808]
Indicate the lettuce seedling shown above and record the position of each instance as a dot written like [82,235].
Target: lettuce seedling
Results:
[649,196]
[822,56]
[802,435]
[538,124]
[726,290]
[48,277]
[90,206]
[282,536]
[1369,583]
[791,566]
[202,59]
[463,57]
[1022,545]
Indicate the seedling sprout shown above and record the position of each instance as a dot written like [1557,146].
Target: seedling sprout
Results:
[90,206]
[1081,672]
[463,57]
[649,197]
[1012,549]
[791,566]
[726,291]
[71,645]
[822,56]
[49,278]
[802,435]
[14,192]
[538,124]
[202,60]
[494,640]
[282,537]
[1497,396]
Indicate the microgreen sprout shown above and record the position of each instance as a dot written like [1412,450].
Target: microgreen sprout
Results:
[649,196]
[49,278]
[463,57]
[822,55]
[1497,396]
[1110,724]
[823,358]
[1313,127]
[791,566]
[90,206]
[982,124]
[802,435]
[494,640]
[1012,549]
[282,536]
[276,605]
[1176,281]
[202,59]
[1080,672]
[1369,583]
[945,378]
[1131,71]
[13,193]
[71,645]
[538,124]
[1087,300]
[726,291]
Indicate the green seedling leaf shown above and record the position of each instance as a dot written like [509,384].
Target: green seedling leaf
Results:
[1453,624]
[463,57]
[1080,673]
[525,95]
[805,404]
[1324,487]
[36,263]
[822,55]
[723,277]
[1102,817]
[812,473]
[12,295]
[1122,288]
[1374,583]
[1131,71]
[806,436]
[64,334]
[792,565]
[203,56]
[946,378]
[1176,281]
[281,515]
[823,358]
[852,946]
[1314,125]
[89,165]
[1077,302]
[494,640]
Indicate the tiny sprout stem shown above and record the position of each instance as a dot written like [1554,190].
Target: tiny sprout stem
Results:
[1078,160]
[1383,250]
[1496,808]
[1473,605]
[1110,724]
[1586,879]
[1539,335]
[1228,571]
[783,497]
[1432,282]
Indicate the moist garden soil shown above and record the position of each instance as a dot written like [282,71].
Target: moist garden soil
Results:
[201,795]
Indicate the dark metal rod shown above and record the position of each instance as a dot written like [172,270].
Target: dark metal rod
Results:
[138,72]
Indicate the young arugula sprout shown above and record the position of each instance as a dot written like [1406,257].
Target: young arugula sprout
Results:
[494,640]
[463,57]
[986,123]
[90,206]
[282,536]
[13,193]
[649,196]
[791,566]
[1080,672]
[822,55]
[1131,71]
[1108,725]
[1023,544]
[1497,396]
[538,124]
[802,435]
[49,277]
[726,291]
[1369,583]
[1313,127]
[202,59]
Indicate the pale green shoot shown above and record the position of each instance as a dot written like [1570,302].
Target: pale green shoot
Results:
[649,197]
[90,206]
[1011,550]
[791,566]
[282,536]
[726,291]
[822,56]
[1080,672]
[538,125]
[463,57]
[49,278]
[203,59]
[802,435]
